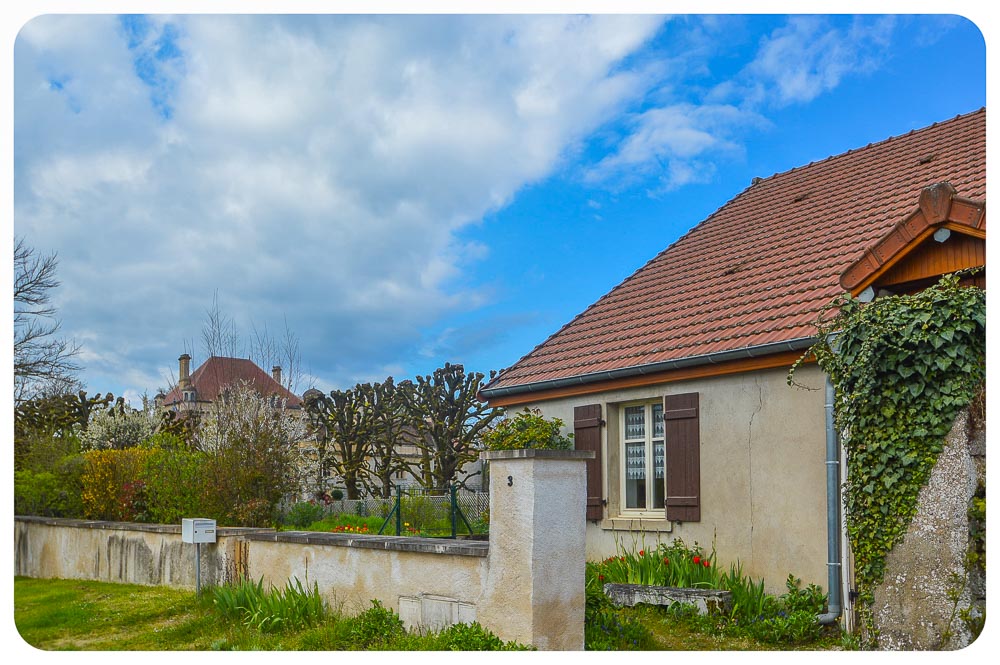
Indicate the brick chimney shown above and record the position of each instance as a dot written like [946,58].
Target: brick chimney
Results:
[184,380]
[276,373]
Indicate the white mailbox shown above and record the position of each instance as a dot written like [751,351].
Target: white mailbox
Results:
[197,530]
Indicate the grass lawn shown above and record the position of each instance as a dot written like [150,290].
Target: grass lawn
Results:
[74,615]
[71,615]
[672,634]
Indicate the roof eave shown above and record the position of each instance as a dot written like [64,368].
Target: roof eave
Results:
[798,344]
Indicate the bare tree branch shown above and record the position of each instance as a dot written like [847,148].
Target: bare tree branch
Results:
[42,361]
[218,334]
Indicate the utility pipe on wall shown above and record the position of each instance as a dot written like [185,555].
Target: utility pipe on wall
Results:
[832,510]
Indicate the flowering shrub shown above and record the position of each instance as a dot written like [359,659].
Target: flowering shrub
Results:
[112,484]
[249,447]
[528,429]
[132,503]
[118,428]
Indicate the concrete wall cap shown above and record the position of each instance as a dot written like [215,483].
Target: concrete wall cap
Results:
[131,526]
[536,453]
[459,547]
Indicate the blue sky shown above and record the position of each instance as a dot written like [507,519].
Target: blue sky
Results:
[404,191]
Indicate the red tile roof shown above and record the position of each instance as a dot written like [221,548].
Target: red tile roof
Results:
[218,372]
[758,270]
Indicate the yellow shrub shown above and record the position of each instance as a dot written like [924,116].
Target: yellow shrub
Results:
[113,488]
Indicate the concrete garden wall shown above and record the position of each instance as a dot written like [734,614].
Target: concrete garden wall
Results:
[525,584]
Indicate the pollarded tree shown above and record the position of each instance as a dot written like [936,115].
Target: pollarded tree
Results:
[341,425]
[447,415]
[52,423]
[388,432]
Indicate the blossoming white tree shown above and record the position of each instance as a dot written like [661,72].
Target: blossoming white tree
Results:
[250,442]
[118,427]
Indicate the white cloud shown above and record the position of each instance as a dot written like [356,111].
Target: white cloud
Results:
[679,139]
[313,167]
[674,144]
[808,57]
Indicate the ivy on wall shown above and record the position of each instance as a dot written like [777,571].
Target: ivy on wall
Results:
[903,367]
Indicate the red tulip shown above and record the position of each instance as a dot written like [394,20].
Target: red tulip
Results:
[706,563]
[642,552]
[666,561]
[600,577]
[697,559]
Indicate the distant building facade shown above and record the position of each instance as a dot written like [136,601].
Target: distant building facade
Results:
[197,391]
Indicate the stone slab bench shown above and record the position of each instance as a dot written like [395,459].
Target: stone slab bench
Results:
[708,601]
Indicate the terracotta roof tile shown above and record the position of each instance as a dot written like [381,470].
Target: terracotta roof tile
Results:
[758,270]
[218,372]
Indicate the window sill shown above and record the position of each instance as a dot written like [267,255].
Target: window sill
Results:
[637,523]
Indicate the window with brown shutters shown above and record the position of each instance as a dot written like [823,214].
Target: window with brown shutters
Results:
[587,436]
[642,458]
[683,457]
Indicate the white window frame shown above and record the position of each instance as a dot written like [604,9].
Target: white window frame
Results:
[651,453]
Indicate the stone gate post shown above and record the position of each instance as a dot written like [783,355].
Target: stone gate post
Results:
[534,590]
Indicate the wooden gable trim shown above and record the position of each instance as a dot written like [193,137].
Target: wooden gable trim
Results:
[930,260]
[939,207]
[783,359]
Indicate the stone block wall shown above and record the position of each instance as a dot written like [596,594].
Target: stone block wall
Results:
[916,608]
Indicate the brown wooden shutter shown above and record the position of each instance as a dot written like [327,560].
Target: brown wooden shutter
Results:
[683,457]
[587,436]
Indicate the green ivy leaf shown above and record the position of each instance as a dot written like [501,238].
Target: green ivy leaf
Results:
[907,365]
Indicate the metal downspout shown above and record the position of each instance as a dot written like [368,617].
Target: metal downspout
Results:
[832,511]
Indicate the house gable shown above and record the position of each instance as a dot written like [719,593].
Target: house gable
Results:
[749,282]
[946,233]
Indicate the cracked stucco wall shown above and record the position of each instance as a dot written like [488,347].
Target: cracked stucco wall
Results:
[763,473]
